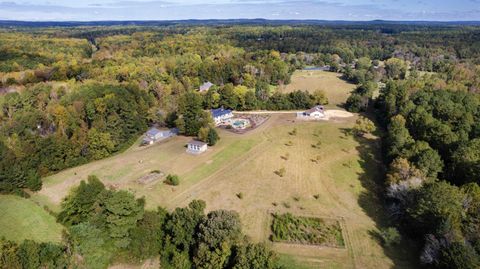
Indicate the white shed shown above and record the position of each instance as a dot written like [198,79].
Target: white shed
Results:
[196,147]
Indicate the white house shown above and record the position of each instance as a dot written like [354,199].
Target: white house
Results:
[220,115]
[196,147]
[205,86]
[316,112]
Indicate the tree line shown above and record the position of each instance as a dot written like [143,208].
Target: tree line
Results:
[106,226]
[432,151]
[47,129]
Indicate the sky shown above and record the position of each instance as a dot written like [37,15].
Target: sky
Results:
[353,10]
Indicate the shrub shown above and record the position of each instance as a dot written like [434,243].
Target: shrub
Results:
[363,126]
[212,137]
[317,133]
[240,195]
[390,236]
[203,134]
[172,180]
[317,145]
[316,196]
[356,103]
[281,172]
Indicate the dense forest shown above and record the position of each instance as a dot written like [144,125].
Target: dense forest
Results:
[70,95]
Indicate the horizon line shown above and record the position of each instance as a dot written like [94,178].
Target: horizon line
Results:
[242,19]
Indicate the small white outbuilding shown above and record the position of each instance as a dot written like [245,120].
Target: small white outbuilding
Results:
[196,147]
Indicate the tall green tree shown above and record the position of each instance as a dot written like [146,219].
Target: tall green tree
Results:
[78,206]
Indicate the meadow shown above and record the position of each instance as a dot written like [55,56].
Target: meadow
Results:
[336,89]
[22,219]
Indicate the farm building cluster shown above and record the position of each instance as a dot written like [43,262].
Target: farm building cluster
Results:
[226,119]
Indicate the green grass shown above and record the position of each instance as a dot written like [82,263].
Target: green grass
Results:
[23,219]
[289,262]
[237,148]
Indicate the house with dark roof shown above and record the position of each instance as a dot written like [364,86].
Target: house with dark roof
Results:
[196,147]
[153,135]
[205,86]
[220,115]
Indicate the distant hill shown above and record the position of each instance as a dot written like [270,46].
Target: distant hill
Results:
[10,23]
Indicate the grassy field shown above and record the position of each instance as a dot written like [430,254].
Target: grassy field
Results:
[336,89]
[339,179]
[336,179]
[123,170]
[22,219]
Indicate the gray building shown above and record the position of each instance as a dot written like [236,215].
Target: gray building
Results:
[153,135]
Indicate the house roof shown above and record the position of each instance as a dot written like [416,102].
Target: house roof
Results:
[153,131]
[218,112]
[315,109]
[197,143]
[205,86]
[148,139]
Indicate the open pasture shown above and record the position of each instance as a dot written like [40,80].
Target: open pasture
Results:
[336,89]
[325,179]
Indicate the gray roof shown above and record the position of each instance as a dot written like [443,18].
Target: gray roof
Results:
[153,131]
[315,109]
[205,86]
[197,143]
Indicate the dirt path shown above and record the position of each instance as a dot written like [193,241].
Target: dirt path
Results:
[268,112]
[329,113]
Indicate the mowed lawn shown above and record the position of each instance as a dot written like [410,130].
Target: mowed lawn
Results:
[336,89]
[22,219]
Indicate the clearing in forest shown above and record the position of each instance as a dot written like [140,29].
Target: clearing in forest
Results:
[318,170]
[336,89]
[22,219]
[328,173]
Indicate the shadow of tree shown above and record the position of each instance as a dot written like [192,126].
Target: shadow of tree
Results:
[372,199]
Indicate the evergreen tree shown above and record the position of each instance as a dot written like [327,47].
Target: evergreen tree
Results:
[212,136]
